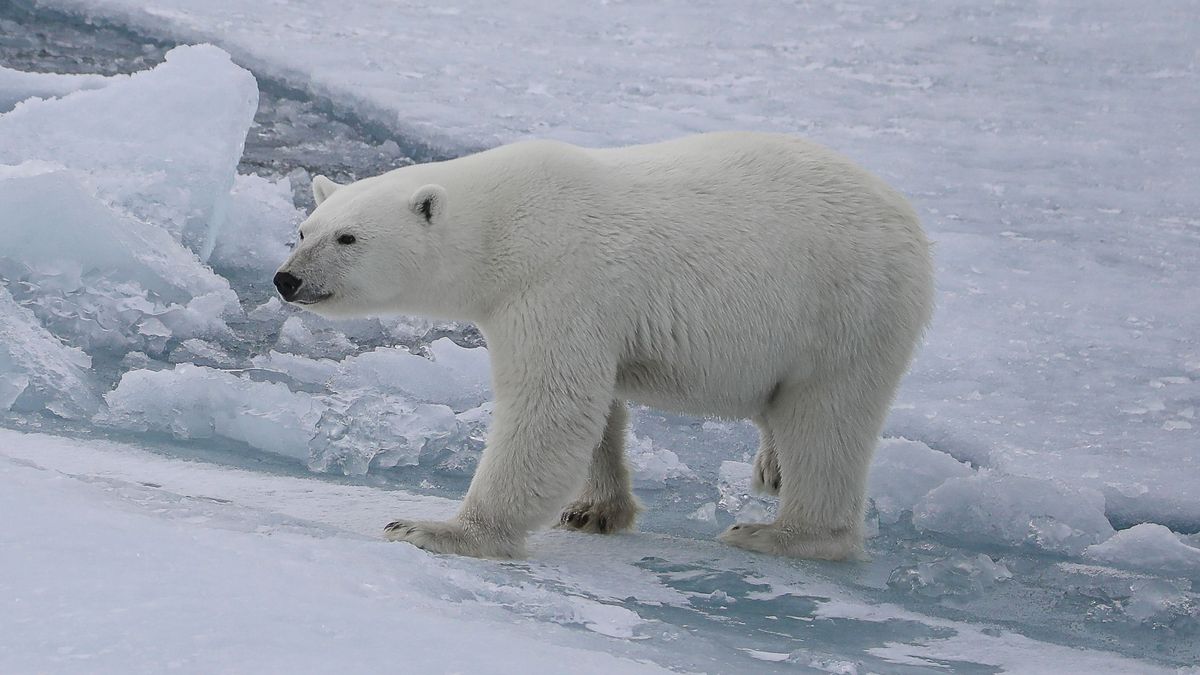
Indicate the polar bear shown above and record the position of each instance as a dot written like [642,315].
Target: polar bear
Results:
[738,275]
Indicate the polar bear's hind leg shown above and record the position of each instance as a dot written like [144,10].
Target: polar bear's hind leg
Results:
[766,478]
[824,434]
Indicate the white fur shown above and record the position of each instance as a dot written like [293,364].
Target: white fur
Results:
[740,275]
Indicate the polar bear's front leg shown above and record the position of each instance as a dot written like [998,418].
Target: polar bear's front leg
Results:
[607,503]
[454,537]
[551,410]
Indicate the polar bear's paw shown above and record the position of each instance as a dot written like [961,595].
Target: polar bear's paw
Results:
[452,537]
[600,517]
[843,544]
[767,477]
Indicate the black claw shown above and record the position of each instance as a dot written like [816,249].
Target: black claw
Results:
[575,518]
[602,524]
[776,483]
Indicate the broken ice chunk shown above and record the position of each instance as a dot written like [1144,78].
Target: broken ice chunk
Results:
[737,499]
[460,457]
[37,372]
[1148,546]
[296,337]
[904,471]
[958,577]
[163,144]
[653,466]
[994,509]
[53,215]
[382,431]
[12,383]
[260,223]
[397,370]
[706,513]
[300,369]
[98,278]
[203,353]
[473,364]
[190,402]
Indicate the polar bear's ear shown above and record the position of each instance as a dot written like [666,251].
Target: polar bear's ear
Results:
[429,202]
[322,188]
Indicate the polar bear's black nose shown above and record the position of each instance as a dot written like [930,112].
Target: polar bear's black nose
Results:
[287,284]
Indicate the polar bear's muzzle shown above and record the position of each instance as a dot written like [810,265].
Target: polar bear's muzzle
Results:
[287,284]
[293,289]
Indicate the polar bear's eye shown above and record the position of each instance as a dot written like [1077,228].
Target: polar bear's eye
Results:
[301,236]
[346,239]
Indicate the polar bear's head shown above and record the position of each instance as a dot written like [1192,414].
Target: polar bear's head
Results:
[379,245]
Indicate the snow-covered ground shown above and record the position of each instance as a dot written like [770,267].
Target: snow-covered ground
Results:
[231,460]
[124,557]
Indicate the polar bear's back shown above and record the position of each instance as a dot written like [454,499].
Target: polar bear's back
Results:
[768,197]
[756,180]
[760,243]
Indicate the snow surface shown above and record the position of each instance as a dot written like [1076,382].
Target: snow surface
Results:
[1048,150]
[196,581]
[123,556]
